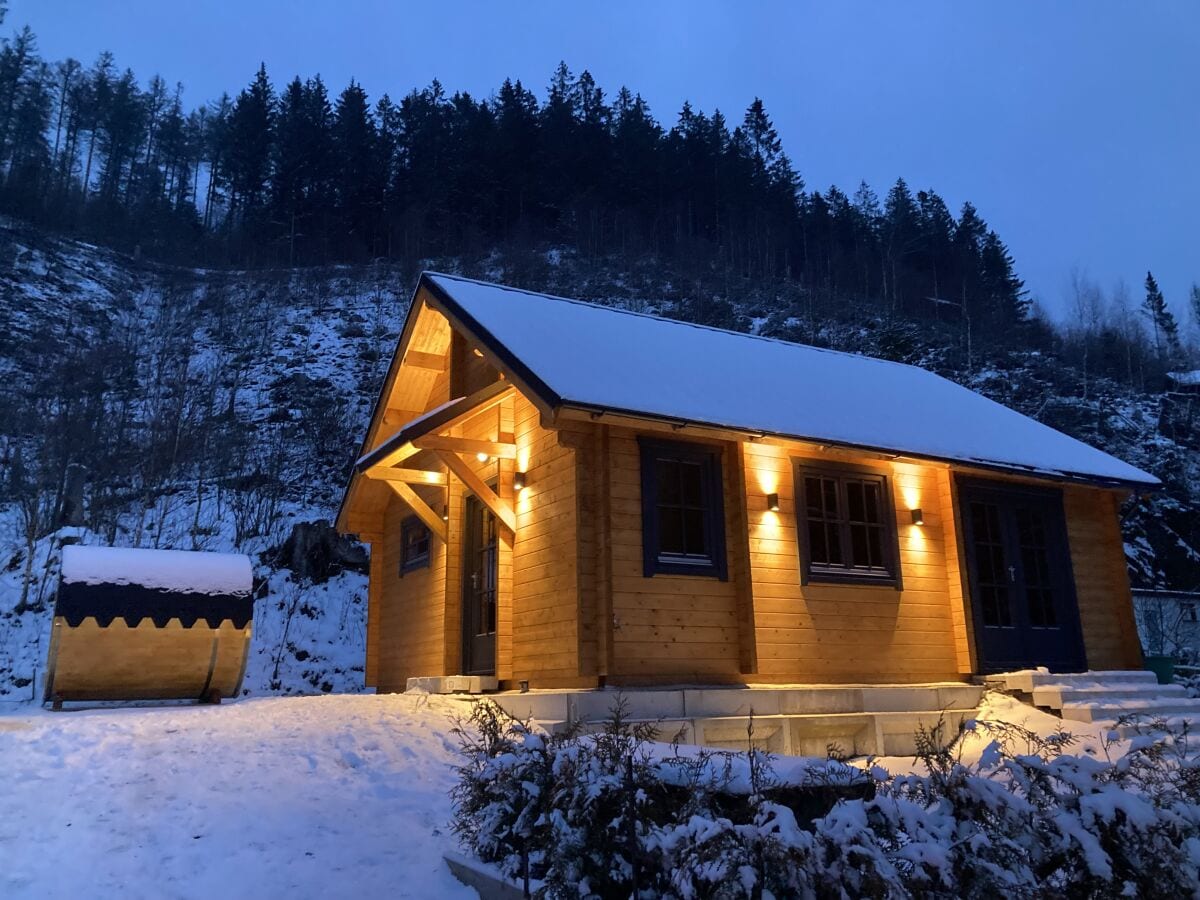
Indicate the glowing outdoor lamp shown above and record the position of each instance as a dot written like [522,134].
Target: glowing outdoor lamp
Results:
[773,502]
[918,517]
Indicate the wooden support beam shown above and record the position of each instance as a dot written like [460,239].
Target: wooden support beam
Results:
[435,362]
[408,476]
[397,456]
[466,445]
[435,523]
[501,510]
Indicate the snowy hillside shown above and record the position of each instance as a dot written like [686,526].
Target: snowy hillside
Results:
[241,397]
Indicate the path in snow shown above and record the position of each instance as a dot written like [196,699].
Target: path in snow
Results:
[275,797]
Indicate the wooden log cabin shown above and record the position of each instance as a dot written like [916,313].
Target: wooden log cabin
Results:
[571,495]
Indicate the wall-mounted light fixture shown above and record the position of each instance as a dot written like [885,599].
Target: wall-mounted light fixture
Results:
[446,512]
[773,502]
[518,481]
[524,686]
[482,457]
[918,517]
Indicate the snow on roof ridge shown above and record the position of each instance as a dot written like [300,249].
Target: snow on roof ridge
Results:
[658,318]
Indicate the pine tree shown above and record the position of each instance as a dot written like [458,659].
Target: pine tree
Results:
[358,177]
[764,139]
[517,142]
[249,147]
[901,237]
[1007,303]
[936,238]
[1162,323]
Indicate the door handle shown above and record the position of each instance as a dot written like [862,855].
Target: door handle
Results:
[1012,574]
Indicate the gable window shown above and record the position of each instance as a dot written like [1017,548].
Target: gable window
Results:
[683,517]
[414,545]
[847,529]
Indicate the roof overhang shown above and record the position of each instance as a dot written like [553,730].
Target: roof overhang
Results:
[571,409]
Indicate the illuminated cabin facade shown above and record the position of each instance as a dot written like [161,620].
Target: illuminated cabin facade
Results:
[573,496]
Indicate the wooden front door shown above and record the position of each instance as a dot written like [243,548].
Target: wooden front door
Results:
[479,589]
[1020,578]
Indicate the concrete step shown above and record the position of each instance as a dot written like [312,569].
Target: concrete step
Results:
[1055,696]
[759,700]
[1105,711]
[1027,680]
[811,734]
[452,684]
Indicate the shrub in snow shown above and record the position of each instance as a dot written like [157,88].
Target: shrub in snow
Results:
[612,814]
[615,815]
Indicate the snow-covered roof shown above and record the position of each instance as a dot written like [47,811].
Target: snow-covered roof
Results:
[181,571]
[580,354]
[1190,379]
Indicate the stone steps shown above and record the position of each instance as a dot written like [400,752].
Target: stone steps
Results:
[1026,680]
[1145,710]
[1057,696]
[856,720]
[1101,696]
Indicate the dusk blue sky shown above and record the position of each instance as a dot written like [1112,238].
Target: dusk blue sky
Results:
[1073,127]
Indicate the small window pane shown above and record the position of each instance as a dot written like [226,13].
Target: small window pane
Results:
[854,501]
[858,545]
[670,530]
[693,532]
[693,480]
[819,547]
[668,481]
[833,536]
[874,509]
[832,510]
[875,547]
[812,496]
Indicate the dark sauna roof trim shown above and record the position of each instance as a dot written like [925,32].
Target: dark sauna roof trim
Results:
[571,354]
[133,584]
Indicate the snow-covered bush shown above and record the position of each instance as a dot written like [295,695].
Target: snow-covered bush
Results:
[616,815]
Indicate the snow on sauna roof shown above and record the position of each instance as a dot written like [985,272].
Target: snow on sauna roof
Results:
[182,571]
[584,355]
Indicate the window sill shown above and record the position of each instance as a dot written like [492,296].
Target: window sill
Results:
[851,579]
[694,570]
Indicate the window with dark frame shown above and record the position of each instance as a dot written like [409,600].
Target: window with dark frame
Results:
[414,544]
[846,526]
[683,517]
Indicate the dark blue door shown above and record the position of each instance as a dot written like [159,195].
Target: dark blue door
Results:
[1020,578]
[479,589]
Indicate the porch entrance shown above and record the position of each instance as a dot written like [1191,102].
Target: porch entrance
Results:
[479,588]
[1019,573]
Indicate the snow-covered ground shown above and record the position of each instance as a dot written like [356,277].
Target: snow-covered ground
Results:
[337,795]
[334,796]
